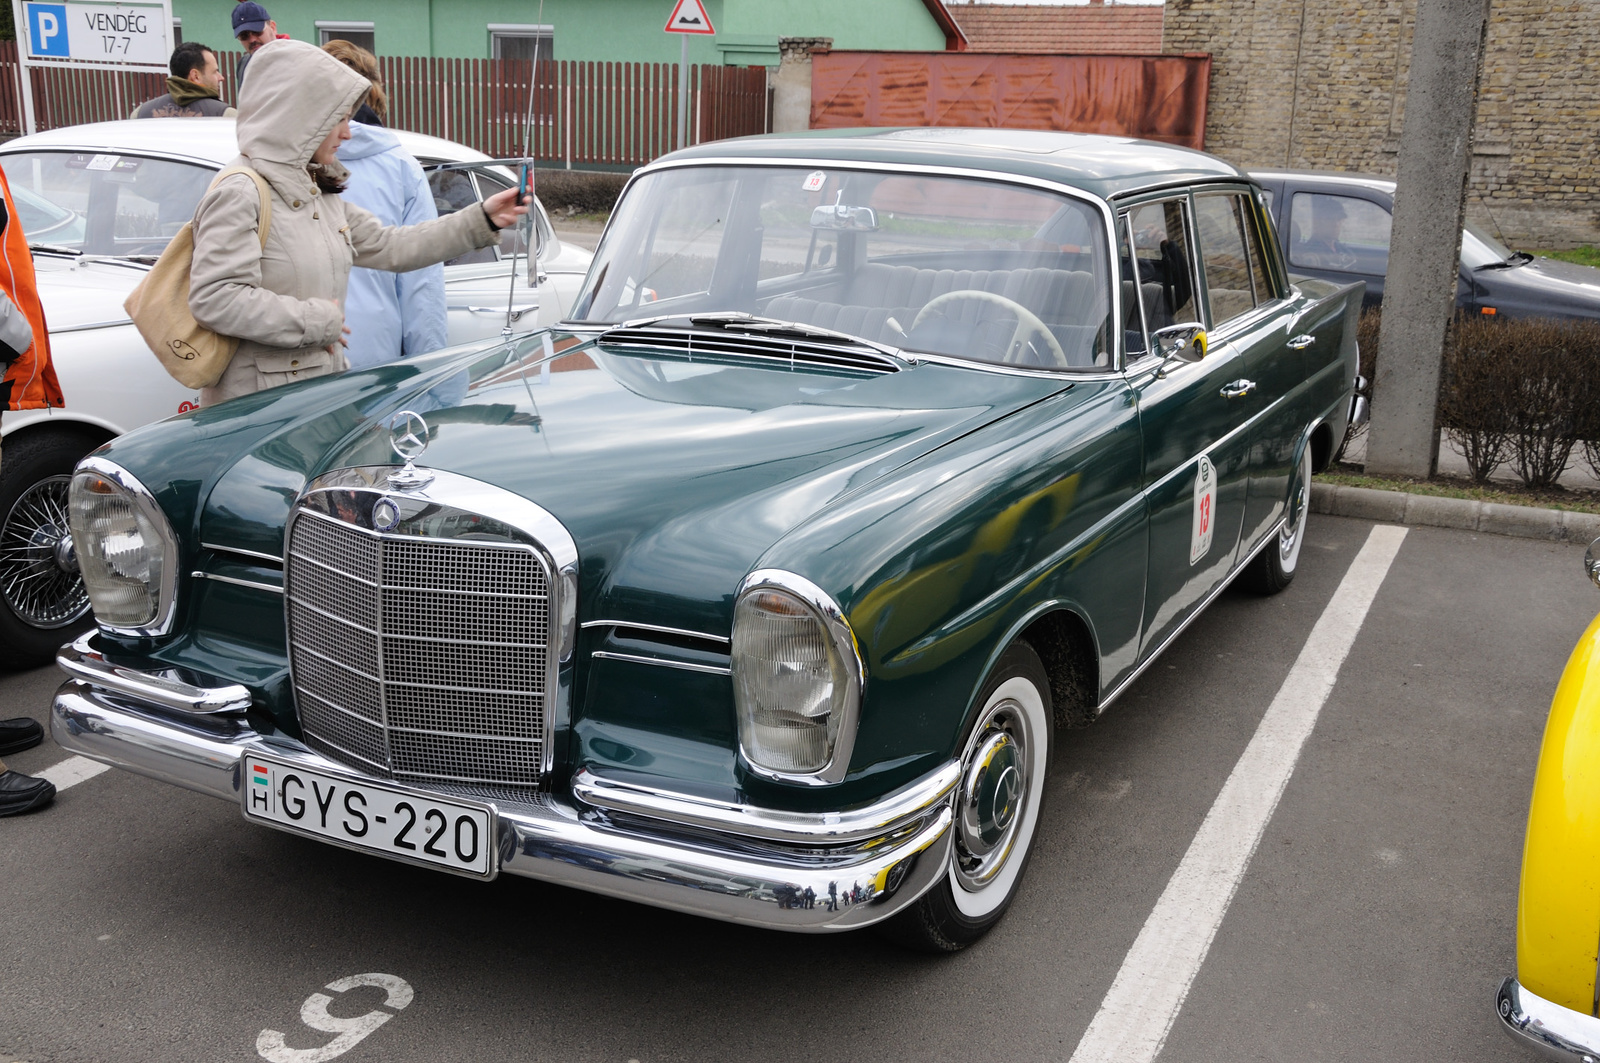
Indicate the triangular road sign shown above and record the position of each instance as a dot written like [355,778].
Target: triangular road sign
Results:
[689,17]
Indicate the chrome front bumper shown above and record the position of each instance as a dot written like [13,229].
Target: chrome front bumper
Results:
[1551,1030]
[783,871]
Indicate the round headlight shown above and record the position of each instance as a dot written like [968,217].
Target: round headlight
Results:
[796,679]
[125,548]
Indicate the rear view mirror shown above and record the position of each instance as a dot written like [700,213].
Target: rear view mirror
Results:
[842,217]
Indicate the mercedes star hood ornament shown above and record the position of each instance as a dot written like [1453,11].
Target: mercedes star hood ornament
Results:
[408,436]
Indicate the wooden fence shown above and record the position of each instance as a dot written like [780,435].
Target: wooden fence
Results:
[584,113]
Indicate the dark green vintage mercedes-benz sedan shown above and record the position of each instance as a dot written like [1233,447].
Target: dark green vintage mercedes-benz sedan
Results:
[864,466]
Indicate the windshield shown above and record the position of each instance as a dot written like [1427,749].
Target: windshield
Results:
[1479,249]
[103,204]
[969,268]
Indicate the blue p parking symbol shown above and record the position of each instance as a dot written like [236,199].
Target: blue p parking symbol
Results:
[47,30]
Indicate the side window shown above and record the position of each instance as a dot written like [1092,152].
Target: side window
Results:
[1161,253]
[1338,233]
[452,191]
[1229,287]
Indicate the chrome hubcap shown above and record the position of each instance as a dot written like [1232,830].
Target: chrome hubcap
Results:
[1289,540]
[38,566]
[992,795]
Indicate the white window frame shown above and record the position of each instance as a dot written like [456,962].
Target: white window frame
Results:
[346,26]
[522,29]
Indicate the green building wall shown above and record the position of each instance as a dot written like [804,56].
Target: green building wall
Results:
[617,30]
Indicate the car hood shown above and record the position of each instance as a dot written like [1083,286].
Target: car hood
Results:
[80,292]
[673,476]
[1557,285]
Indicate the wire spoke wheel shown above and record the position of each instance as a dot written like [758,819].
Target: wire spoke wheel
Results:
[39,577]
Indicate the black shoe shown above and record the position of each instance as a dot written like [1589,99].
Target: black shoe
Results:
[23,793]
[19,734]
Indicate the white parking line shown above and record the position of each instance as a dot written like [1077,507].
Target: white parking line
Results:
[1136,1015]
[72,771]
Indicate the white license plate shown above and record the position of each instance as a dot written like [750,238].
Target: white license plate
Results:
[364,815]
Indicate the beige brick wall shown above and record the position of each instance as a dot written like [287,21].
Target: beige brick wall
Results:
[1320,84]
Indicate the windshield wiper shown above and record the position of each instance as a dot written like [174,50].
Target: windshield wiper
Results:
[56,249]
[1515,259]
[738,320]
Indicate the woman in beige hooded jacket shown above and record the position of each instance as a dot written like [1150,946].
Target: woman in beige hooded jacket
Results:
[284,301]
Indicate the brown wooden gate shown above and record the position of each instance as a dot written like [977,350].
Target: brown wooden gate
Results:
[1156,97]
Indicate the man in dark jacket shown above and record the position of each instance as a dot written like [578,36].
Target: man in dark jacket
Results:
[195,88]
[252,28]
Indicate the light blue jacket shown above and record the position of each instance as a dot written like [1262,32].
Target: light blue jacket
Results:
[391,315]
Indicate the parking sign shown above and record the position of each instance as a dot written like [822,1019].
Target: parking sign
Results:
[47,31]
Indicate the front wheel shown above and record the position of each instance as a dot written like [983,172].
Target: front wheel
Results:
[1273,568]
[997,802]
[42,598]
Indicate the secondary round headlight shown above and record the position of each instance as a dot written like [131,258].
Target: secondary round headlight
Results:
[796,678]
[125,547]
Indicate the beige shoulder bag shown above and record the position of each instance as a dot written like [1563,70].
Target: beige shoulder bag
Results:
[194,355]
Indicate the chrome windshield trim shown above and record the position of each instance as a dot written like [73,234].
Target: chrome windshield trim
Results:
[662,662]
[167,592]
[253,584]
[83,662]
[882,817]
[844,643]
[683,632]
[1107,216]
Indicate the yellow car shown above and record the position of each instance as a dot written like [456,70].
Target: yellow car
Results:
[1553,1003]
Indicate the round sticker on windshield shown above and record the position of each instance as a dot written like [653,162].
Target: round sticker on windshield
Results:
[814,181]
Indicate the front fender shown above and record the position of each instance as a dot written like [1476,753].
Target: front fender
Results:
[1558,907]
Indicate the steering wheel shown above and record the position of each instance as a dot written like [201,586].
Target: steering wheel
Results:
[1028,323]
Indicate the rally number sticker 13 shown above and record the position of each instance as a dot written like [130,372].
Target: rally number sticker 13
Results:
[1205,510]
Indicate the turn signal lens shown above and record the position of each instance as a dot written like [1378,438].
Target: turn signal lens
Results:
[122,551]
[788,683]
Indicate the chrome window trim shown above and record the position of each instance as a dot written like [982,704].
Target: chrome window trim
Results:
[1107,217]
[879,819]
[556,546]
[662,662]
[167,592]
[844,643]
[685,632]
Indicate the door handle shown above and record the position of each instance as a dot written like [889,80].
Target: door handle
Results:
[1238,389]
[1302,341]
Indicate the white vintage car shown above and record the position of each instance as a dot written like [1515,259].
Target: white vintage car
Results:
[99,203]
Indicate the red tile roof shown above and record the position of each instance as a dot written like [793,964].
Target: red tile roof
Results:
[1096,29]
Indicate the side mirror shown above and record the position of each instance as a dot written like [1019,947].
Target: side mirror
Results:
[1591,561]
[1185,342]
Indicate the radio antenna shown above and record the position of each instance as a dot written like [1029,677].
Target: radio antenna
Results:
[525,180]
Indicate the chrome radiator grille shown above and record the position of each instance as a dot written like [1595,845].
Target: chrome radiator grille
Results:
[420,660]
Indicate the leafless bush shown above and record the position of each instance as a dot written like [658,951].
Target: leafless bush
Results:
[1474,385]
[1550,394]
[578,191]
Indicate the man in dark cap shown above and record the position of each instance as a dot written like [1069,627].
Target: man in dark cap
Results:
[252,27]
[195,88]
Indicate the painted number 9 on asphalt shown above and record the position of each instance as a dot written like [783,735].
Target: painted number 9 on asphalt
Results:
[272,1045]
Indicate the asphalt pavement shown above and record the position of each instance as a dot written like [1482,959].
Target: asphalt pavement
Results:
[1372,923]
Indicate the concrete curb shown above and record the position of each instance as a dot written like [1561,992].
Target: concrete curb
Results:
[1468,514]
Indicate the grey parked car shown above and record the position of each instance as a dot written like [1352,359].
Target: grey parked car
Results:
[1336,226]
